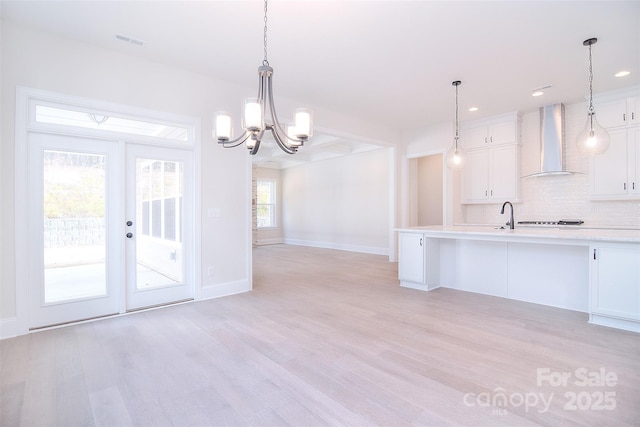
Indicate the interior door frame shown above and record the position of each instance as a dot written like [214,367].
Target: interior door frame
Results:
[24,123]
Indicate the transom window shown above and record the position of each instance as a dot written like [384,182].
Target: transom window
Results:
[87,119]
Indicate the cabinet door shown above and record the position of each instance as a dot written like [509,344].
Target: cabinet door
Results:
[608,174]
[633,110]
[475,137]
[476,176]
[615,281]
[411,257]
[610,113]
[633,152]
[503,133]
[503,167]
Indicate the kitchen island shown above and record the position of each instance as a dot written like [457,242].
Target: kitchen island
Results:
[584,269]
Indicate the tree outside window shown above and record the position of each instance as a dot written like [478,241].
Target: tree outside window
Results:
[266,206]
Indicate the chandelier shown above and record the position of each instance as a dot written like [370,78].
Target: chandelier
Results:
[455,155]
[255,122]
[593,139]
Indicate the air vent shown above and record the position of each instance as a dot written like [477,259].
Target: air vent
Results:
[131,40]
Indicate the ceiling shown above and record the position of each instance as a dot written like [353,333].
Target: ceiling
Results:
[384,62]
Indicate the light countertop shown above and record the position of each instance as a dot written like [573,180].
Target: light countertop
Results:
[561,234]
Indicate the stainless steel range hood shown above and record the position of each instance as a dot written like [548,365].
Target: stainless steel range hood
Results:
[552,136]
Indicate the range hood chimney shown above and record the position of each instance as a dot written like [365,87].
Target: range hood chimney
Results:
[552,135]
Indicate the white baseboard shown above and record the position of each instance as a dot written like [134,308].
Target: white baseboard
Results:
[612,322]
[418,286]
[339,246]
[275,241]
[225,289]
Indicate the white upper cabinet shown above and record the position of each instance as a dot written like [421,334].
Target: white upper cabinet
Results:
[492,169]
[489,133]
[618,112]
[615,174]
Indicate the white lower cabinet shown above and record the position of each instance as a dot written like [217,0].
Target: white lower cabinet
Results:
[411,264]
[615,286]
[413,269]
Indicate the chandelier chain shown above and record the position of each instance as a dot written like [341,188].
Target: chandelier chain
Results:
[265,61]
[590,82]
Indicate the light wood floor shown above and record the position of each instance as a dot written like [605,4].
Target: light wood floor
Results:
[326,338]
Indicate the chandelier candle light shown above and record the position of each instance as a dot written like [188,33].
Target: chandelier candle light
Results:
[593,139]
[254,122]
[455,155]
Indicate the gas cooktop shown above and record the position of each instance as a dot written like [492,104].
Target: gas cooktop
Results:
[547,223]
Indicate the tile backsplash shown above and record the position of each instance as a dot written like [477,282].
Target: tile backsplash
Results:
[556,197]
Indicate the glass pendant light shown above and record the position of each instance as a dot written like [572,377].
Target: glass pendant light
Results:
[593,139]
[456,156]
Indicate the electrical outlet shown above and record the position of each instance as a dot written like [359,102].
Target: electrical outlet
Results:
[211,272]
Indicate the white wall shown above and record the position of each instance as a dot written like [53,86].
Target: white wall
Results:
[41,60]
[430,194]
[341,203]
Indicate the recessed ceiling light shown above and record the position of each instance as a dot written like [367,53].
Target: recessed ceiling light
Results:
[131,40]
[623,73]
[538,91]
[473,109]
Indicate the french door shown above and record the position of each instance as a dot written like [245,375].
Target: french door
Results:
[110,227]
[158,232]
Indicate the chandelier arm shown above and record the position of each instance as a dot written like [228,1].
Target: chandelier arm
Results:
[255,148]
[261,85]
[274,117]
[283,145]
[239,140]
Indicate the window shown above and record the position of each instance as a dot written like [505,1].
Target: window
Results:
[85,119]
[266,206]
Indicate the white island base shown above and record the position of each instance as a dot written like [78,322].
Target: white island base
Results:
[580,269]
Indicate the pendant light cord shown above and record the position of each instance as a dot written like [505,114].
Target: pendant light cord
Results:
[590,82]
[265,61]
[456,116]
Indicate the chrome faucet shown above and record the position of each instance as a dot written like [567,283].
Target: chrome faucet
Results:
[510,223]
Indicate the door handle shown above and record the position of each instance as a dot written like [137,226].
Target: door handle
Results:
[129,223]
[129,235]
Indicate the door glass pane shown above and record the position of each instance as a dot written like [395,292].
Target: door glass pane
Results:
[159,260]
[74,225]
